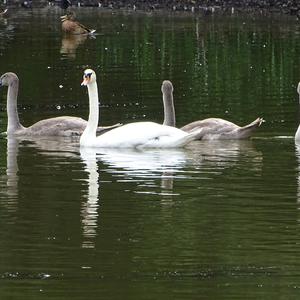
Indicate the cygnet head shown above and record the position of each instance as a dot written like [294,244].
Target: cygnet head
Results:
[7,78]
[89,76]
[167,86]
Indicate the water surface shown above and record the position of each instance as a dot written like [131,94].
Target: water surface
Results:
[217,220]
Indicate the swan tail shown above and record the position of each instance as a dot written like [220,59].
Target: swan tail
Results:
[191,136]
[103,129]
[246,131]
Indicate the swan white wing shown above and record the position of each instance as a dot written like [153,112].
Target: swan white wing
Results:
[139,135]
[297,135]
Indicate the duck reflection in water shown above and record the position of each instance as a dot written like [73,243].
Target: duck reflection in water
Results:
[70,43]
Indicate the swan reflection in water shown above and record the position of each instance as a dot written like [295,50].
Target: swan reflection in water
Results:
[12,167]
[137,163]
[89,209]
[218,155]
[165,165]
[130,164]
[60,147]
[48,147]
[57,148]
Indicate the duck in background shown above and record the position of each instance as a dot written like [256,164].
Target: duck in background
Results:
[212,128]
[71,26]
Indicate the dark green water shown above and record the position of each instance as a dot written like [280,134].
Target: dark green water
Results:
[217,220]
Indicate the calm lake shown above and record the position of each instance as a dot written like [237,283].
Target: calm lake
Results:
[216,220]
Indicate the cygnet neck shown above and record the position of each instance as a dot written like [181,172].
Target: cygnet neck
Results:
[169,110]
[12,111]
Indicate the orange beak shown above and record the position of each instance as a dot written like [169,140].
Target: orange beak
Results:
[85,81]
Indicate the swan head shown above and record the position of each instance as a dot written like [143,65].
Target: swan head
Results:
[89,76]
[167,87]
[8,78]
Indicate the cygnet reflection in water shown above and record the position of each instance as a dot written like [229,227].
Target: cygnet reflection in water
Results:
[58,150]
[12,167]
[217,155]
[16,147]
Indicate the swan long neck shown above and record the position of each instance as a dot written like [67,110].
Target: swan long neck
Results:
[91,128]
[169,110]
[12,111]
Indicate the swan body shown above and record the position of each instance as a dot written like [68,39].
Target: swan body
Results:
[59,126]
[140,135]
[220,129]
[133,135]
[70,26]
[297,135]
[212,128]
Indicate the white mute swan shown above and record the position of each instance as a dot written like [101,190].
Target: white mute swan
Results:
[133,135]
[59,126]
[212,128]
